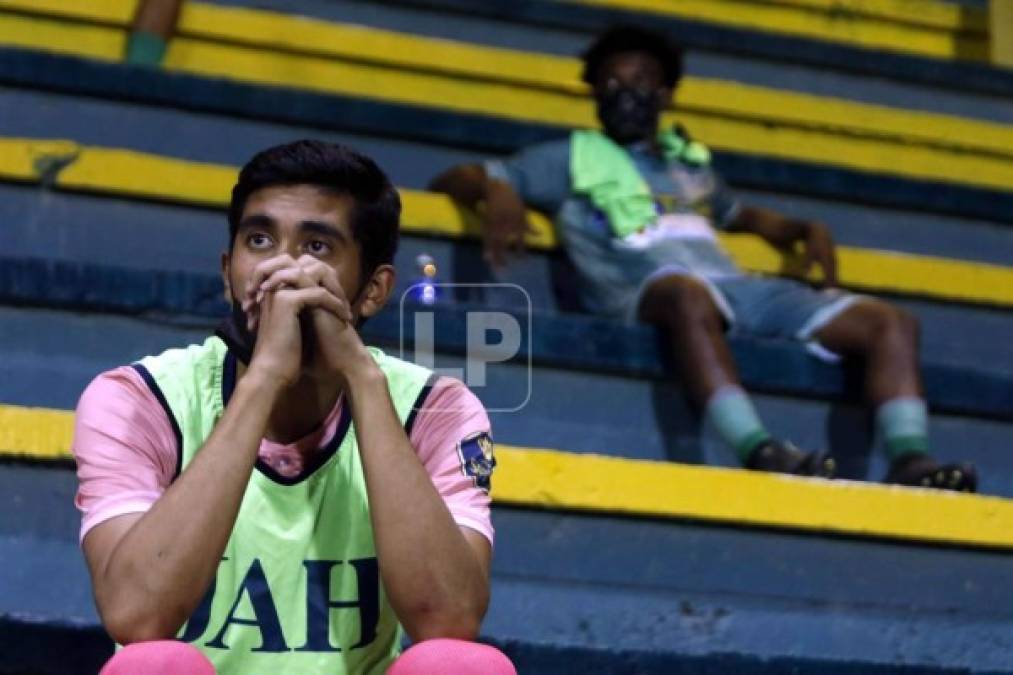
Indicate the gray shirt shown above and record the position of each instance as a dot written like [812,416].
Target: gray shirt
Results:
[691,201]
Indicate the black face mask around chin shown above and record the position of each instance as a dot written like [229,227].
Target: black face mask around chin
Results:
[237,337]
[629,114]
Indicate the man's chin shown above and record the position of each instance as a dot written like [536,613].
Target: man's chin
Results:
[627,136]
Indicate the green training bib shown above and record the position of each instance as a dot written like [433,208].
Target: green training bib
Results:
[298,588]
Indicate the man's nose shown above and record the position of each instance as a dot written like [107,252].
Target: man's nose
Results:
[291,246]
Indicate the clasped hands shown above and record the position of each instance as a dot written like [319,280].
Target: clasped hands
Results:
[303,319]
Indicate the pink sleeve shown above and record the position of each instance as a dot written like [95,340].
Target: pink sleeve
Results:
[124,446]
[453,416]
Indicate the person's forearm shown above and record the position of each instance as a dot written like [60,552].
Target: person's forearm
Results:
[432,576]
[159,572]
[775,228]
[466,184]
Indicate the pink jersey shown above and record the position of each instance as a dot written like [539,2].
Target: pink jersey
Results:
[126,449]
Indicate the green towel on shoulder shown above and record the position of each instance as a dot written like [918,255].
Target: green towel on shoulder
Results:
[603,171]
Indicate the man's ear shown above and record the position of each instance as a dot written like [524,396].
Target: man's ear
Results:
[377,290]
[225,277]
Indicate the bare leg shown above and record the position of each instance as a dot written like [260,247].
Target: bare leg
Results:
[157,16]
[153,26]
[695,327]
[887,338]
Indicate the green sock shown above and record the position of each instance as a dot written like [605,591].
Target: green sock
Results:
[145,49]
[733,416]
[903,423]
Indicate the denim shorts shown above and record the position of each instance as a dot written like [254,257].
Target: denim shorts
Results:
[770,307]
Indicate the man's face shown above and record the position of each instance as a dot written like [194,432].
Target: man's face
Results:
[630,92]
[297,220]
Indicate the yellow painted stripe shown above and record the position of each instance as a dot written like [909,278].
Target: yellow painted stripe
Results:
[504,100]
[928,13]
[62,37]
[552,479]
[886,271]
[117,12]
[866,154]
[830,23]
[702,95]
[729,116]
[935,29]
[273,31]
[38,433]
[1001,26]
[716,98]
[944,15]
[133,174]
[23,160]
[560,480]
[720,99]
[125,172]
[380,82]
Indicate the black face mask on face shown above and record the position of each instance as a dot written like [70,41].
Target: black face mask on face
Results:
[629,114]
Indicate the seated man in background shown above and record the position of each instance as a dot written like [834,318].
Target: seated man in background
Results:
[281,497]
[636,209]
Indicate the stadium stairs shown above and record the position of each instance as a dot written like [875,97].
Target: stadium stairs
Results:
[616,551]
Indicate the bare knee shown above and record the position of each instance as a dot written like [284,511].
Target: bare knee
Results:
[895,325]
[910,326]
[888,325]
[679,299]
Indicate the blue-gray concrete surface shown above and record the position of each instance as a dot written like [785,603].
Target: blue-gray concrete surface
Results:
[562,408]
[699,62]
[212,138]
[663,588]
[571,593]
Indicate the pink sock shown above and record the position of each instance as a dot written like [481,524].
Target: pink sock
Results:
[158,657]
[452,657]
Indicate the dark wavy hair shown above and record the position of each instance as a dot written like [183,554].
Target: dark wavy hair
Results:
[628,38]
[375,218]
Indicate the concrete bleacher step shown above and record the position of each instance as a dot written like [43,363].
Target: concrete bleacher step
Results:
[64,256]
[568,398]
[637,593]
[116,172]
[605,594]
[932,29]
[793,38]
[885,155]
[169,265]
[202,138]
[600,567]
[218,139]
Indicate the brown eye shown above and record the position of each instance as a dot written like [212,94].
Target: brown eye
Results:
[258,240]
[317,247]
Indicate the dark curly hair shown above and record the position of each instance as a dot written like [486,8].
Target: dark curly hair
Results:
[376,216]
[629,38]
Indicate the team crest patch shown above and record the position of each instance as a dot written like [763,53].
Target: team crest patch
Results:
[477,459]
